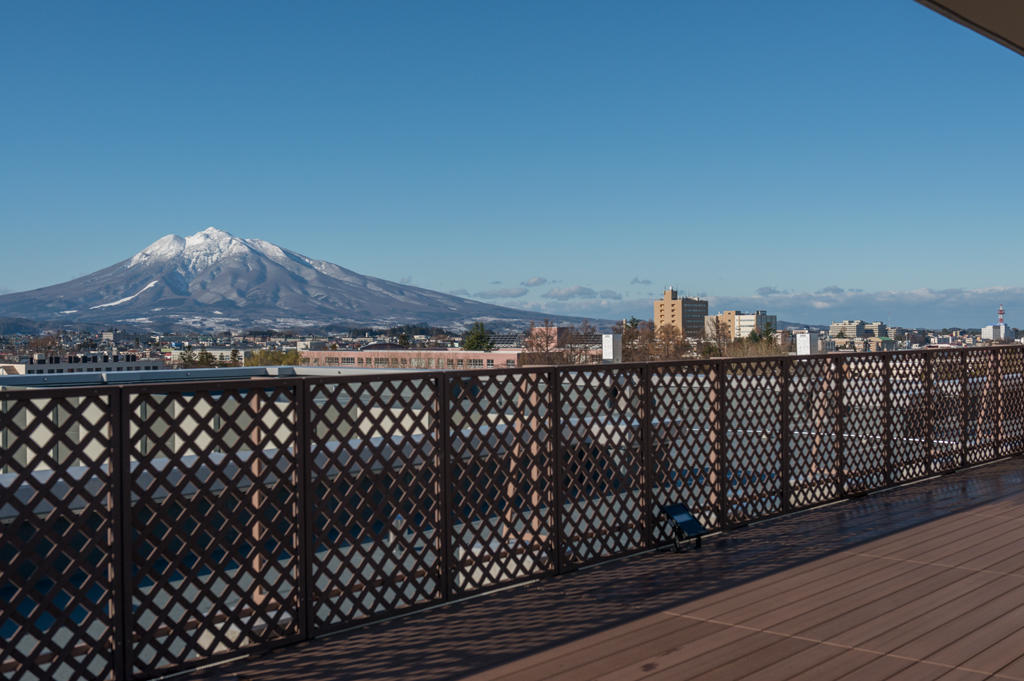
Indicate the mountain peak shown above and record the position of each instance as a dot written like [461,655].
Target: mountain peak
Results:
[210,234]
[164,248]
[214,280]
[198,250]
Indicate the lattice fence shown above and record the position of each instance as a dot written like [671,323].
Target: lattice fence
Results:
[753,438]
[502,468]
[602,466]
[377,497]
[214,522]
[146,530]
[58,535]
[686,440]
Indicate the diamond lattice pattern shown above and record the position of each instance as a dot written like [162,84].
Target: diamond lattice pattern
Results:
[753,439]
[214,523]
[603,512]
[376,475]
[684,429]
[502,468]
[57,536]
[813,431]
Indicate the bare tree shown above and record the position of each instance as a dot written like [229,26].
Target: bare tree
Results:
[637,339]
[669,343]
[541,346]
[579,344]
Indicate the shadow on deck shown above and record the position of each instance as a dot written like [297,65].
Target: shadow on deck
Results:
[634,618]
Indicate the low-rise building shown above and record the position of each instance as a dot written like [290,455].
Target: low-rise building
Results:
[412,359]
[92,362]
[733,324]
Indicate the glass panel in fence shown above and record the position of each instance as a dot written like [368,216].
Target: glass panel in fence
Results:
[684,430]
[864,434]
[981,406]
[1011,400]
[377,497]
[214,520]
[813,432]
[603,512]
[57,535]
[502,472]
[753,393]
[947,409]
[910,417]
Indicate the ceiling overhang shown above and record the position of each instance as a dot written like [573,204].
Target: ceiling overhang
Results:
[999,20]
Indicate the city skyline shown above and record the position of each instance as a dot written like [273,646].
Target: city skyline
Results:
[820,162]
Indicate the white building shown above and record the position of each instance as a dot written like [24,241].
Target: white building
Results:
[996,332]
[806,342]
[758,321]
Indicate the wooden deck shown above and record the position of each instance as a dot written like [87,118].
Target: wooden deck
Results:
[920,583]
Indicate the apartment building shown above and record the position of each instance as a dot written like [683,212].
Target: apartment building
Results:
[685,314]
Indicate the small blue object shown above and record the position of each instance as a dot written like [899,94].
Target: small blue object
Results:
[684,525]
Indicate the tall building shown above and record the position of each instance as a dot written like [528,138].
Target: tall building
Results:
[686,314]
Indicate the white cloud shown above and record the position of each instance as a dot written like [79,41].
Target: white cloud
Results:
[920,307]
[502,293]
[571,292]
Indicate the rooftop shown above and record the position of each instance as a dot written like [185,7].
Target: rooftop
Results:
[922,582]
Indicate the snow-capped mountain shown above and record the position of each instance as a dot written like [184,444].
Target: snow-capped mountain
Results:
[215,280]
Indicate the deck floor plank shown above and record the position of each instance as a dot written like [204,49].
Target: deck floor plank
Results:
[919,583]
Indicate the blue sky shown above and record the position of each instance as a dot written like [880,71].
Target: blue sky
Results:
[820,160]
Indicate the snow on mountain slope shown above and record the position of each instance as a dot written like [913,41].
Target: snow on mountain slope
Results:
[179,281]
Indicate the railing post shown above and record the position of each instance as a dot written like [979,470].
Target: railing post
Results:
[786,366]
[997,369]
[963,408]
[646,451]
[557,468]
[841,423]
[304,460]
[445,500]
[723,447]
[120,478]
[887,406]
[929,390]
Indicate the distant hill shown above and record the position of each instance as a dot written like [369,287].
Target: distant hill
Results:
[215,281]
[13,325]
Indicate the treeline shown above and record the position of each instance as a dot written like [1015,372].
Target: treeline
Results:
[397,331]
[203,359]
[641,342]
